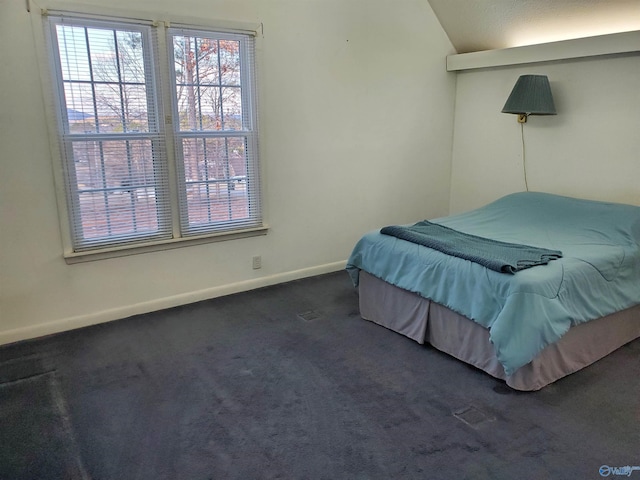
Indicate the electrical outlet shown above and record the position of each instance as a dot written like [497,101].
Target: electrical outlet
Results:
[257,262]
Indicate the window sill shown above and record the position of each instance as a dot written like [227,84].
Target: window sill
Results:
[106,253]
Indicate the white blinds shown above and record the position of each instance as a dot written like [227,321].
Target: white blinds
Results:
[216,136]
[112,134]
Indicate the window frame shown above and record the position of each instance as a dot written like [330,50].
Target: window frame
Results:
[163,76]
[249,122]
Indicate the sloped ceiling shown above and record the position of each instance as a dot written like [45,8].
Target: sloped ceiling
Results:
[475,25]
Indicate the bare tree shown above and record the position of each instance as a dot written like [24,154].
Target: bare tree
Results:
[208,82]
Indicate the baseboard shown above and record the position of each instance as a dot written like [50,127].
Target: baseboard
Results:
[35,331]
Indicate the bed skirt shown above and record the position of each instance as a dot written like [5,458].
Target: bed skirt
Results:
[425,321]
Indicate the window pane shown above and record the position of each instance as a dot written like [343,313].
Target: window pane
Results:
[102,50]
[130,57]
[112,83]
[89,171]
[230,62]
[80,108]
[207,204]
[209,159]
[205,68]
[216,187]
[116,185]
[210,108]
[118,213]
[135,108]
[232,108]
[237,158]
[121,108]
[113,164]
[74,58]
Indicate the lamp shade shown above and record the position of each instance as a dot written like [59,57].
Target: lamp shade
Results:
[531,95]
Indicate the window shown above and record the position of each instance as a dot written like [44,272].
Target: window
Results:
[158,139]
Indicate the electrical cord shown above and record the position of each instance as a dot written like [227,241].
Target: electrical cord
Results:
[524,160]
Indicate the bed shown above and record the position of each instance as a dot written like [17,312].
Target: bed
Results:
[529,326]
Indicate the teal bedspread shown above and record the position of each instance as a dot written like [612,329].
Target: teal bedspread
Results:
[598,274]
[499,256]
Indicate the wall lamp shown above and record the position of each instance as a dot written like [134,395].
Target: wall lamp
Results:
[531,95]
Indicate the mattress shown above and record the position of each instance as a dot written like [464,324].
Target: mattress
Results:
[426,321]
[523,313]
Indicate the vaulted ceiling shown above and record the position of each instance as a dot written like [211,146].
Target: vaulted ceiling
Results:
[475,25]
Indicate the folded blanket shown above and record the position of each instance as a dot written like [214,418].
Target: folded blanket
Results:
[499,256]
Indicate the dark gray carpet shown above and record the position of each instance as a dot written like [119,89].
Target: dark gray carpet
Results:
[288,382]
[36,437]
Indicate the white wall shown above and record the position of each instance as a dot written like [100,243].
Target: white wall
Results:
[591,149]
[356,113]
